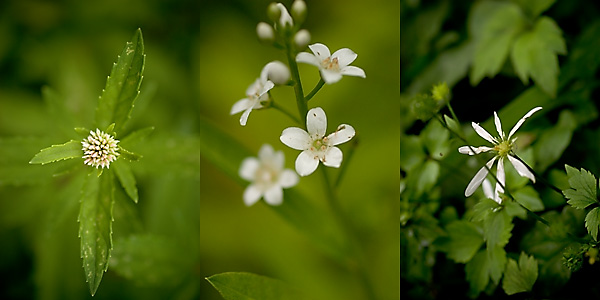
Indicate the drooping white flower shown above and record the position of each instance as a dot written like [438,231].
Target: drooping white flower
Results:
[503,146]
[331,66]
[99,149]
[285,19]
[314,144]
[255,94]
[267,175]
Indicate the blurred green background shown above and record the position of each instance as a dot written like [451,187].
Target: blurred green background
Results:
[234,237]
[70,46]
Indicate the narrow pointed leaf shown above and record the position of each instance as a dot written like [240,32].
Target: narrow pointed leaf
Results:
[130,156]
[123,172]
[248,286]
[123,85]
[95,226]
[68,150]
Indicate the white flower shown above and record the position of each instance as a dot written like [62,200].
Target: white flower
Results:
[503,147]
[314,144]
[267,175]
[255,94]
[285,19]
[332,66]
[99,149]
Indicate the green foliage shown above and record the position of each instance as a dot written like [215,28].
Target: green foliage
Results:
[520,278]
[497,229]
[583,188]
[592,221]
[534,54]
[463,241]
[534,7]
[125,176]
[123,85]
[247,286]
[68,150]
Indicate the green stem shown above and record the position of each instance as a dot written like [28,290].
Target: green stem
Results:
[300,102]
[315,90]
[285,112]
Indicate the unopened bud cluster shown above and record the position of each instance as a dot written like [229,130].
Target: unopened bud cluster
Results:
[99,149]
[285,25]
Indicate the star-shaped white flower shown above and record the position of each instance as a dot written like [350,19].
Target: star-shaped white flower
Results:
[255,94]
[267,175]
[314,144]
[503,147]
[331,66]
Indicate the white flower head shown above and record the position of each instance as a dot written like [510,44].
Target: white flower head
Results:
[255,94]
[267,175]
[503,146]
[314,144]
[331,66]
[99,149]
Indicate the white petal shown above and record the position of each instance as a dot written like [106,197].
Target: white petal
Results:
[501,176]
[478,178]
[244,117]
[498,125]
[285,17]
[266,87]
[288,178]
[467,149]
[316,122]
[345,56]
[343,134]
[353,71]
[320,50]
[522,120]
[274,195]
[248,168]
[254,87]
[333,157]
[487,189]
[306,163]
[521,168]
[307,58]
[241,105]
[295,138]
[266,152]
[330,76]
[483,133]
[251,194]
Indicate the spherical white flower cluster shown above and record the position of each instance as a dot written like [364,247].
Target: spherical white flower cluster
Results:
[99,149]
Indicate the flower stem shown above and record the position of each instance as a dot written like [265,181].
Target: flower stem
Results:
[315,90]
[346,226]
[300,102]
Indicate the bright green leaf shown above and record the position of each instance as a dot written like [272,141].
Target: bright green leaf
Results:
[247,286]
[534,7]
[534,54]
[452,125]
[123,172]
[150,260]
[477,273]
[95,226]
[497,228]
[583,188]
[529,198]
[463,241]
[499,24]
[123,85]
[592,221]
[483,208]
[496,262]
[522,277]
[427,176]
[130,156]
[68,150]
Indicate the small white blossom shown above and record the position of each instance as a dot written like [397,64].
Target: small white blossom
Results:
[267,175]
[99,149]
[504,148]
[255,94]
[314,144]
[331,66]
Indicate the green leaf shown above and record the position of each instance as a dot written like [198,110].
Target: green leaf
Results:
[535,54]
[435,137]
[412,152]
[592,221]
[497,229]
[520,278]
[499,24]
[426,177]
[452,125]
[123,172]
[123,85]
[68,150]
[534,7]
[135,137]
[483,208]
[553,142]
[529,198]
[477,273]
[496,262]
[583,188]
[150,260]
[95,226]
[247,286]
[130,156]
[463,241]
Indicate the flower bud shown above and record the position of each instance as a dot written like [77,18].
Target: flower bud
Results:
[265,32]
[299,11]
[277,72]
[273,12]
[302,38]
[285,20]
[441,92]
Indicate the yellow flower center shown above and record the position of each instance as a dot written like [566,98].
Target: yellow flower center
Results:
[504,148]
[330,64]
